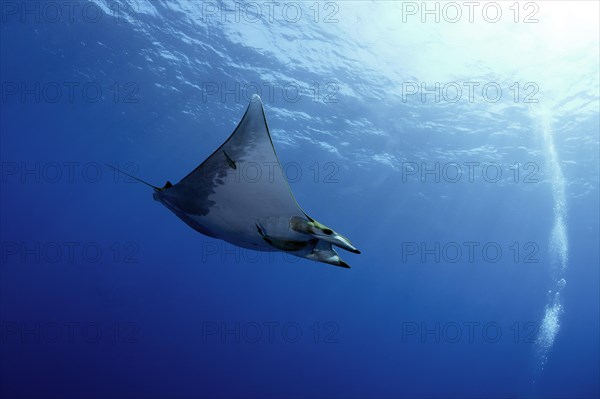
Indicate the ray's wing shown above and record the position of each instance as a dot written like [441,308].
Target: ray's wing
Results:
[240,183]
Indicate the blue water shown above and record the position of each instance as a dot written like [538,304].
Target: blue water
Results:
[477,217]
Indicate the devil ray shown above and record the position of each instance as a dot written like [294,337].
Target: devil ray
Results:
[260,213]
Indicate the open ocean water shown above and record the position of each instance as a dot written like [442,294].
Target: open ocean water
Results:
[456,144]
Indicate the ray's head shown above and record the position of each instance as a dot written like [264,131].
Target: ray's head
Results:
[322,232]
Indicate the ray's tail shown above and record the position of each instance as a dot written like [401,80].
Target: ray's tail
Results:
[135,178]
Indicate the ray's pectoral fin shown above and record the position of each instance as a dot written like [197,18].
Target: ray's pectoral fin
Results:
[322,232]
[282,244]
